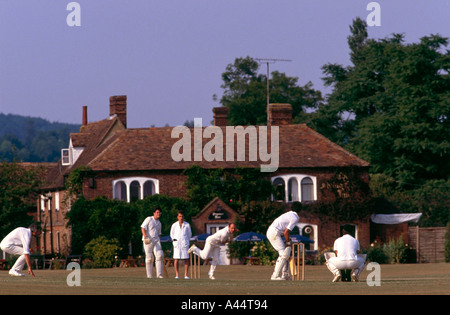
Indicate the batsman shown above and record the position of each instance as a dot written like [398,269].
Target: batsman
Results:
[282,226]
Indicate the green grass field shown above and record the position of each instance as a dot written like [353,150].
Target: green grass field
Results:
[412,279]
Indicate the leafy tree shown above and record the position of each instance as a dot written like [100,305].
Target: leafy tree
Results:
[392,106]
[18,186]
[245,93]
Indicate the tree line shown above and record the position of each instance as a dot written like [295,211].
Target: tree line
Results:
[31,139]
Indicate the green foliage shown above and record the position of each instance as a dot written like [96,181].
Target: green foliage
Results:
[398,252]
[102,252]
[119,220]
[236,187]
[32,139]
[391,107]
[262,250]
[245,93]
[17,195]
[74,182]
[377,254]
[258,215]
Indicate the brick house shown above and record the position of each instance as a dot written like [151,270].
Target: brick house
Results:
[127,163]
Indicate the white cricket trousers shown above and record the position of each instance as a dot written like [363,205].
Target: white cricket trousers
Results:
[282,264]
[154,247]
[335,265]
[15,250]
[209,251]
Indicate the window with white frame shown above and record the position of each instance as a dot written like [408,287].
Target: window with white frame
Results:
[134,188]
[295,187]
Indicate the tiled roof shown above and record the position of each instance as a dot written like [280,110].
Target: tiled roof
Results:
[150,149]
[111,147]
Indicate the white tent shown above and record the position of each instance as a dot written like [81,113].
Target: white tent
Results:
[395,218]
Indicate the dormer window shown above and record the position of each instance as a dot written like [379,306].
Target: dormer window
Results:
[66,157]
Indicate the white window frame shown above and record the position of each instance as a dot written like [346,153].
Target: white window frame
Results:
[298,177]
[129,180]
[66,159]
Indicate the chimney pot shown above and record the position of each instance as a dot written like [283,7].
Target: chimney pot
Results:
[85,120]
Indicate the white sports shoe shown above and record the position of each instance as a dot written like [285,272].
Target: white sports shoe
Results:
[191,249]
[212,277]
[14,273]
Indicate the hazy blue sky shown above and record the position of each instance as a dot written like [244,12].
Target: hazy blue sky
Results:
[168,55]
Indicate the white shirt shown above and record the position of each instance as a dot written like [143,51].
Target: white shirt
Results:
[152,227]
[346,247]
[18,237]
[285,221]
[221,236]
[182,234]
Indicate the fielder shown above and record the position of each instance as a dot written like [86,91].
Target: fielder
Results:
[151,232]
[282,225]
[18,243]
[346,248]
[212,247]
[181,234]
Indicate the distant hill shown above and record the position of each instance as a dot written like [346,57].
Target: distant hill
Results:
[30,139]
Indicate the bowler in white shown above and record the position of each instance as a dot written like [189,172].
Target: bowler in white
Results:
[212,246]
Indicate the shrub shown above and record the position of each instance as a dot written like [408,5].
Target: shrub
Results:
[102,252]
[377,254]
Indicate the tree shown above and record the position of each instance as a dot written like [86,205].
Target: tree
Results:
[18,192]
[245,93]
[392,106]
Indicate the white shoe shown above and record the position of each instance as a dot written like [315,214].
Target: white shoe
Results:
[14,273]
[212,277]
[337,278]
[276,278]
[191,249]
[187,277]
[355,277]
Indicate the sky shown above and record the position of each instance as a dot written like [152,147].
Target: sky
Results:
[167,56]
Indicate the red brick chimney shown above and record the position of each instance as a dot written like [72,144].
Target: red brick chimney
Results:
[85,119]
[220,115]
[118,107]
[280,114]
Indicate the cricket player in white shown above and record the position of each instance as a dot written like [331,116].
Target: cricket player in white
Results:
[212,246]
[282,225]
[346,248]
[151,232]
[18,243]
[181,233]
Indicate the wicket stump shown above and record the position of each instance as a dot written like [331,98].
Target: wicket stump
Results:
[294,262]
[195,266]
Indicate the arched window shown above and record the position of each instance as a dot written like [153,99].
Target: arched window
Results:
[294,187]
[307,189]
[149,188]
[135,191]
[120,191]
[134,188]
[279,189]
[293,190]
